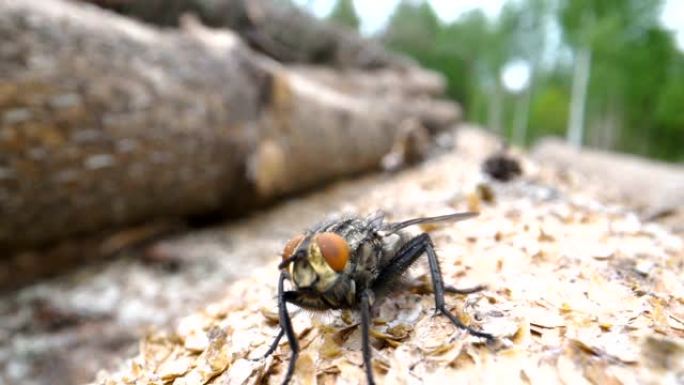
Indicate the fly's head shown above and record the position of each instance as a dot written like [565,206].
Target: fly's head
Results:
[315,261]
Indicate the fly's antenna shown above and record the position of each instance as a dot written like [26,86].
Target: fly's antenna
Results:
[442,218]
[299,253]
[287,261]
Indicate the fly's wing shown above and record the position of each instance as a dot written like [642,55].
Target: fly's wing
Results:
[442,218]
[376,219]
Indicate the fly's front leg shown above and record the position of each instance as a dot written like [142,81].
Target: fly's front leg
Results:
[286,327]
[365,335]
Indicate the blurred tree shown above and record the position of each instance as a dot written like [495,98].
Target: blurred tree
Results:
[550,105]
[344,14]
[616,68]
[669,113]
[415,30]
[530,42]
[413,27]
[460,45]
[631,57]
[469,52]
[578,19]
[646,61]
[501,48]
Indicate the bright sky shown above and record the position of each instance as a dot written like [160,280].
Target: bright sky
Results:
[673,19]
[375,13]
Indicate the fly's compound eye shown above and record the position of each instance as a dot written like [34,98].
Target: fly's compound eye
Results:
[334,249]
[292,245]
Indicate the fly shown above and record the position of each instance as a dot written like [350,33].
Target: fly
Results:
[351,264]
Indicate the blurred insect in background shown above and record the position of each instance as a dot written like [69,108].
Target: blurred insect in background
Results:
[351,264]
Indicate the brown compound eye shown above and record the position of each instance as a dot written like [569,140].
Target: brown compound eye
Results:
[335,250]
[292,245]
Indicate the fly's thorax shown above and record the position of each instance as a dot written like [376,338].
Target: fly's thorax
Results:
[392,242]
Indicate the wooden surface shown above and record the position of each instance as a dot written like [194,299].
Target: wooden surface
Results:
[655,189]
[579,291]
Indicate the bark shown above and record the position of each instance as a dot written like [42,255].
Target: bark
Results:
[382,82]
[279,30]
[108,122]
[104,123]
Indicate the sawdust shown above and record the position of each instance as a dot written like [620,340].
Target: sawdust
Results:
[578,292]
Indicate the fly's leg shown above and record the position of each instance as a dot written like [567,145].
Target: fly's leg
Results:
[408,254]
[281,333]
[286,327]
[365,336]
[470,290]
[274,344]
[452,289]
[439,289]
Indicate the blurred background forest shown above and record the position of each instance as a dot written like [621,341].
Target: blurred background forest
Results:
[606,74]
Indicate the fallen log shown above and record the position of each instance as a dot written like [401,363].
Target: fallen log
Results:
[277,29]
[108,122]
[655,189]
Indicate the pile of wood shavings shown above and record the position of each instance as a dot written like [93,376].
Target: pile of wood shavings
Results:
[578,292]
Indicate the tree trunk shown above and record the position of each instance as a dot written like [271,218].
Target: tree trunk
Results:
[578,101]
[495,108]
[522,108]
[107,122]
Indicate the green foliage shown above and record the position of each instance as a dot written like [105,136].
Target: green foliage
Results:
[669,112]
[413,26]
[670,102]
[632,57]
[635,99]
[344,14]
[549,111]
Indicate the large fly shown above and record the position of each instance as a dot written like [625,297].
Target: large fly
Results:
[351,264]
